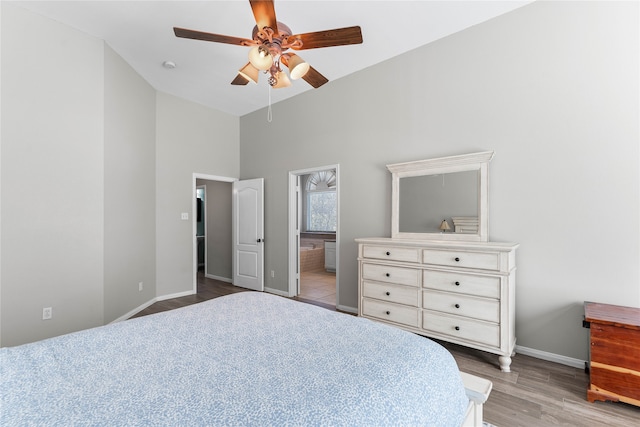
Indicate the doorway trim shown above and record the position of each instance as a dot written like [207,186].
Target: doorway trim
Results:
[194,217]
[294,208]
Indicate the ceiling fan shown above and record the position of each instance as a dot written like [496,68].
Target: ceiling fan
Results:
[271,41]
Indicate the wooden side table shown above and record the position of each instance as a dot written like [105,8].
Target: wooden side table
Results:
[614,353]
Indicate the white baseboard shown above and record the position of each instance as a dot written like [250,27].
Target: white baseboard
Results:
[176,295]
[148,303]
[277,292]
[347,309]
[551,357]
[219,278]
[134,311]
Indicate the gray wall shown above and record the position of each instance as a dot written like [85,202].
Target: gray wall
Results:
[96,169]
[52,173]
[129,196]
[190,139]
[426,200]
[552,88]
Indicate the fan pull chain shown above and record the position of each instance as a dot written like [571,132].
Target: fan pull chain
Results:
[269,112]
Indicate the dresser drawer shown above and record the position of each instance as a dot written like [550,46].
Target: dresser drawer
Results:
[391,312]
[483,286]
[407,295]
[481,260]
[462,305]
[391,253]
[391,274]
[461,328]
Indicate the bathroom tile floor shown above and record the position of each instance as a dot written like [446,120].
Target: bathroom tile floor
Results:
[318,285]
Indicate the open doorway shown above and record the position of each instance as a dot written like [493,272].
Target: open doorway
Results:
[314,234]
[212,225]
[201,231]
[233,227]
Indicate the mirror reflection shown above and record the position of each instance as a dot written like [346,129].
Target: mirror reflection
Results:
[425,201]
[443,198]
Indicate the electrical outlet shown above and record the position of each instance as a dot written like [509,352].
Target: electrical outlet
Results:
[47,313]
[273,273]
[140,286]
[185,215]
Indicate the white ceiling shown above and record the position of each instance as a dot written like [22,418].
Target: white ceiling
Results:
[141,32]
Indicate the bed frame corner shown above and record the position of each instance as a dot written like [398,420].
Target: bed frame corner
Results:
[478,390]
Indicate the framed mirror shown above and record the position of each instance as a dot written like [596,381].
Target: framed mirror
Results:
[441,199]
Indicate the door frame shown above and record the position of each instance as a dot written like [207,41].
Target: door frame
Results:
[194,217]
[204,219]
[294,238]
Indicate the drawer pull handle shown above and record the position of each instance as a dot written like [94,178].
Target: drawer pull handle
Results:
[388,275]
[457,305]
[457,283]
[456,259]
[457,328]
[388,293]
[388,253]
[388,312]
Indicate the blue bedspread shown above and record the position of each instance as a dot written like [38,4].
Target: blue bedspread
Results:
[247,359]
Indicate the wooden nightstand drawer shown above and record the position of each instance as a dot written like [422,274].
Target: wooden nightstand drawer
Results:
[480,260]
[407,295]
[391,312]
[390,253]
[459,327]
[391,274]
[462,305]
[484,286]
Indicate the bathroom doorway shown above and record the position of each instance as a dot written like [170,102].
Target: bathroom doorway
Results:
[314,226]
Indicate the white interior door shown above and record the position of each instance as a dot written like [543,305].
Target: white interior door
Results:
[248,234]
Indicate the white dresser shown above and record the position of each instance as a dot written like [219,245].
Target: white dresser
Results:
[460,292]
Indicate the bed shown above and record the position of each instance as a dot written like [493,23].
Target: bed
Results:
[246,359]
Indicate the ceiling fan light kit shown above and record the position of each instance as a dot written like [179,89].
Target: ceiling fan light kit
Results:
[249,72]
[260,58]
[298,67]
[269,45]
[282,80]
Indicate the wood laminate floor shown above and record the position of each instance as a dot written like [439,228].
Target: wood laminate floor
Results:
[536,392]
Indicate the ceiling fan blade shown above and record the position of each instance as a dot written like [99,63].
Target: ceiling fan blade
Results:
[265,14]
[337,37]
[314,78]
[209,37]
[239,81]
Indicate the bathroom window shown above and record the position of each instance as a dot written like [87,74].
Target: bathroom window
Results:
[321,201]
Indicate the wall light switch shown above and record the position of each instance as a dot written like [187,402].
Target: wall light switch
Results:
[185,215]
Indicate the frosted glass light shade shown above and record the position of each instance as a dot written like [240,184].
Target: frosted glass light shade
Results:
[249,72]
[283,80]
[260,58]
[297,67]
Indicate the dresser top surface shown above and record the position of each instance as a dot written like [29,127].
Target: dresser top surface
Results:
[612,314]
[445,244]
